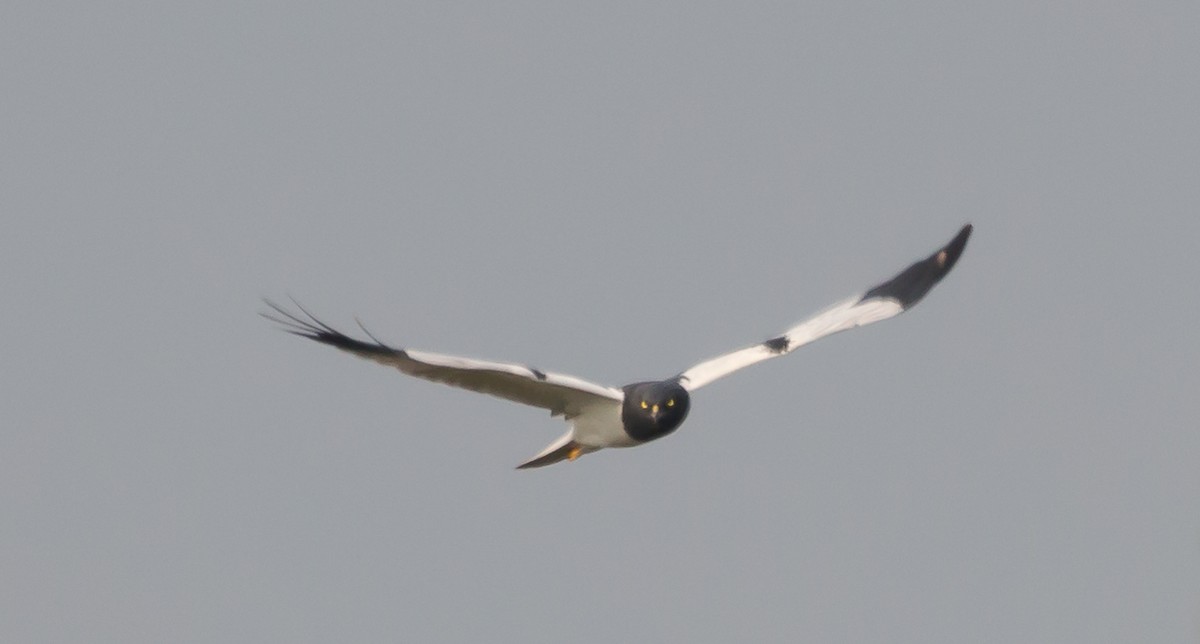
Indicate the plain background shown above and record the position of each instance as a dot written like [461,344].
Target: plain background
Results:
[613,190]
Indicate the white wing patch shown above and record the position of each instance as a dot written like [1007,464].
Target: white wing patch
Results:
[528,373]
[845,315]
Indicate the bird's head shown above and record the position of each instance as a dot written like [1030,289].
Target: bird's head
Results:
[654,409]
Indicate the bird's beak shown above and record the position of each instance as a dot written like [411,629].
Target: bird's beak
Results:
[654,412]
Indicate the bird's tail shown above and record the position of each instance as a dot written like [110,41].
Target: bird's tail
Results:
[564,448]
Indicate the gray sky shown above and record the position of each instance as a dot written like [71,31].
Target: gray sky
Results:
[614,191]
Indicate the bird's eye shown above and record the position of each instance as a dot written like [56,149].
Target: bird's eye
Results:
[671,402]
[644,405]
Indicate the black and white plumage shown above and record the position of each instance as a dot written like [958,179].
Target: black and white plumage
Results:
[601,416]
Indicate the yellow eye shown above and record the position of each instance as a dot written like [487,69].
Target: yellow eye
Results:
[671,402]
[644,405]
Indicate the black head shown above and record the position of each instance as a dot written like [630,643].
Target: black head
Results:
[654,409]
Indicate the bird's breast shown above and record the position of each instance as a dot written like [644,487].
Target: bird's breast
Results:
[601,426]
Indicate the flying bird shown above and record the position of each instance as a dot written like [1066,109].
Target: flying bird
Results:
[600,416]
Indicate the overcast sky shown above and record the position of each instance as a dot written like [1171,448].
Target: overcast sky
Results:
[612,190]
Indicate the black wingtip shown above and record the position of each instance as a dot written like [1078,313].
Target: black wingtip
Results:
[954,249]
[309,326]
[914,283]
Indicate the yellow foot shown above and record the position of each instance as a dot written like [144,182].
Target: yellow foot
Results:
[574,453]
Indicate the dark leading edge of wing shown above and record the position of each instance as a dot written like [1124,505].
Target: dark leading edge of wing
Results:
[914,282]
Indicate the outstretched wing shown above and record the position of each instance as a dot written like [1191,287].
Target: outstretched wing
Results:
[562,395]
[889,299]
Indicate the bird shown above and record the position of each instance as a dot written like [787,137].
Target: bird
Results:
[601,416]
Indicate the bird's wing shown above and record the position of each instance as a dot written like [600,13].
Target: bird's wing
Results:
[562,395]
[889,299]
